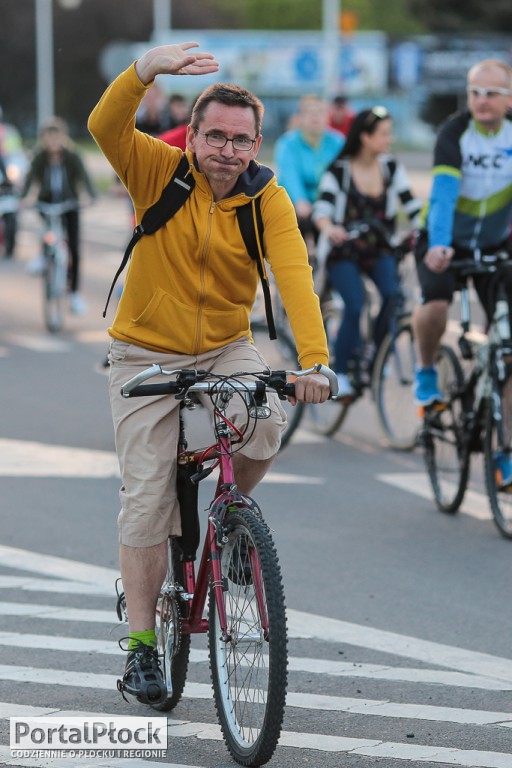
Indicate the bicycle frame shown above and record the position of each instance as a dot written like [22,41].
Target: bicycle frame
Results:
[481,385]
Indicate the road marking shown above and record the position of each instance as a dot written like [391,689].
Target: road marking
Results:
[309,701]
[51,585]
[300,624]
[475,504]
[37,343]
[58,613]
[25,458]
[295,663]
[308,625]
[58,567]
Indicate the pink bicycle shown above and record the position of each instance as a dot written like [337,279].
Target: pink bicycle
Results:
[238,573]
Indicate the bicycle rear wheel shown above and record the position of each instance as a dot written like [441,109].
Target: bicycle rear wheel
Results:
[173,646]
[392,385]
[280,354]
[249,668]
[446,447]
[53,287]
[498,439]
[328,417]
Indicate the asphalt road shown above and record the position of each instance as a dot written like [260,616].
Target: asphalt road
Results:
[399,630]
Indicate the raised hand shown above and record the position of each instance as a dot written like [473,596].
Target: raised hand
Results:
[174,60]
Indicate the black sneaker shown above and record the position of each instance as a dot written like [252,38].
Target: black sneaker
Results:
[143,677]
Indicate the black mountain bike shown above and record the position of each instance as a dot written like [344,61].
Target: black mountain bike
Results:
[476,414]
[386,369]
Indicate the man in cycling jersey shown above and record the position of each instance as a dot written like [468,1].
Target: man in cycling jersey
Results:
[469,212]
[186,303]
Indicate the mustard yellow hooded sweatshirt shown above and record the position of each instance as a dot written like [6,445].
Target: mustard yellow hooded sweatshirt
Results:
[191,286]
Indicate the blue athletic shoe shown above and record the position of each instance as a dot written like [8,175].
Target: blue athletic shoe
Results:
[503,471]
[426,391]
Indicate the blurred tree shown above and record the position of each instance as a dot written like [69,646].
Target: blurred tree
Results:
[392,16]
[463,15]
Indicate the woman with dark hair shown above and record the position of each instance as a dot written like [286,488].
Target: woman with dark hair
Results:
[363,183]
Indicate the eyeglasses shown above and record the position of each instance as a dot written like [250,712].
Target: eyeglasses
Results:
[376,113]
[218,140]
[491,93]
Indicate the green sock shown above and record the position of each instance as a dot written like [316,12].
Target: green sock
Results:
[148,637]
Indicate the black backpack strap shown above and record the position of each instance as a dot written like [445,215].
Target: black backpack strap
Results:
[173,197]
[250,222]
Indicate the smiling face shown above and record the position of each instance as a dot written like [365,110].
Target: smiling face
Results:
[488,100]
[223,165]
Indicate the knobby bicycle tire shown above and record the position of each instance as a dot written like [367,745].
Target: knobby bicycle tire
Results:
[280,354]
[392,387]
[175,649]
[447,454]
[495,423]
[249,670]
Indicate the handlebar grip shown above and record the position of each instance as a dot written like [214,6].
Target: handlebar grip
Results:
[289,390]
[165,388]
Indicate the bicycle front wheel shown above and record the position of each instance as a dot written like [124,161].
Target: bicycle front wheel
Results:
[53,287]
[280,354]
[446,448]
[498,442]
[392,384]
[173,646]
[249,665]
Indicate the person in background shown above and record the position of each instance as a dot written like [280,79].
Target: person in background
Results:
[152,117]
[179,110]
[470,212]
[301,156]
[363,183]
[59,175]
[341,115]
[13,167]
[177,135]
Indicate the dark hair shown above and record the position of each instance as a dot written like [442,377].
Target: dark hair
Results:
[365,121]
[230,95]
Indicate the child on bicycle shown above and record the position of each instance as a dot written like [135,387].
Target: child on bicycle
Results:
[362,184]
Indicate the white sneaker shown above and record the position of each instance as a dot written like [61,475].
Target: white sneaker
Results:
[77,304]
[345,388]
[36,266]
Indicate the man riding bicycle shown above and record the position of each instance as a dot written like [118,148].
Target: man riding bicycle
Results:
[469,214]
[186,303]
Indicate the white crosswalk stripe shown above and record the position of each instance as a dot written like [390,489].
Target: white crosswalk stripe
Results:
[439,669]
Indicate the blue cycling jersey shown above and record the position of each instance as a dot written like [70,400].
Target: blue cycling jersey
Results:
[471,199]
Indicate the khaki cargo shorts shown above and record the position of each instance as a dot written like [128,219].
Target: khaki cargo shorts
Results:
[146,434]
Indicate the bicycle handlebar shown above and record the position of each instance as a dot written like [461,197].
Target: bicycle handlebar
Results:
[488,263]
[195,381]
[362,228]
[56,209]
